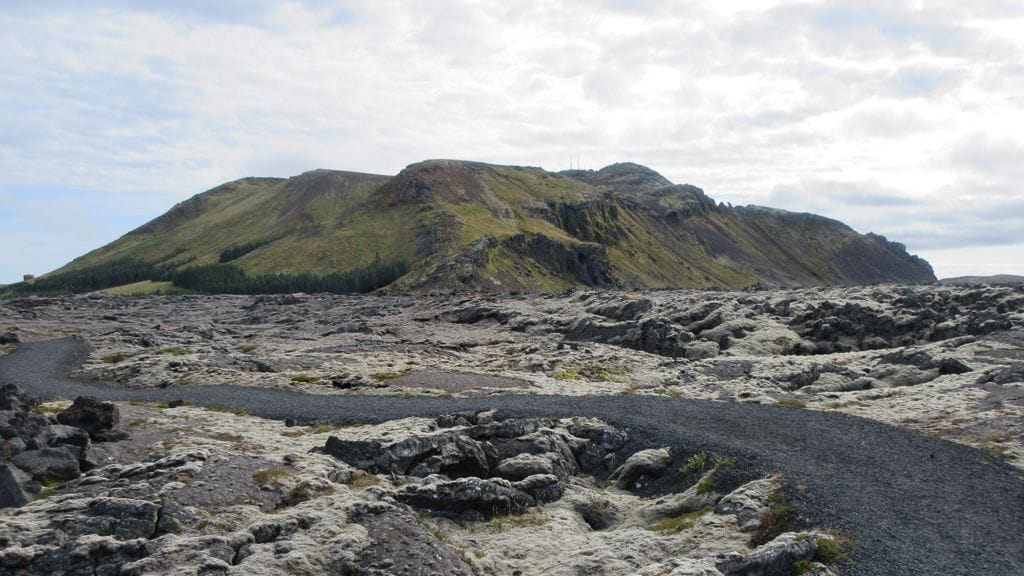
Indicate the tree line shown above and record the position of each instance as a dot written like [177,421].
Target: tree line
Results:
[211,279]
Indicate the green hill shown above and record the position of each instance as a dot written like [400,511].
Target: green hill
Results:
[454,225]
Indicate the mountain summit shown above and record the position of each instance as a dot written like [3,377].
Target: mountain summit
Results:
[458,225]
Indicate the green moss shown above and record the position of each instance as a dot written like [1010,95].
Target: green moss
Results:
[679,523]
[385,376]
[145,288]
[695,464]
[116,357]
[50,487]
[323,428]
[566,374]
[304,378]
[774,521]
[272,476]
[504,523]
[829,551]
[44,409]
[791,403]
[706,486]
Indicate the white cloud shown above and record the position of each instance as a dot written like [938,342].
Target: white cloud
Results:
[750,100]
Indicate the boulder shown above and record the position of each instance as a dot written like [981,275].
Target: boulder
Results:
[747,502]
[12,486]
[775,558]
[470,497]
[650,463]
[9,338]
[48,463]
[92,415]
[523,465]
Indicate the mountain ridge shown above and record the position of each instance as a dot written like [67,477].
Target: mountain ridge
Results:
[463,225]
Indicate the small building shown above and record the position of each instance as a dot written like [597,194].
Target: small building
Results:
[28,277]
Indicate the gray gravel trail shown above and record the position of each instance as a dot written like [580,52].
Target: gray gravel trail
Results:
[912,504]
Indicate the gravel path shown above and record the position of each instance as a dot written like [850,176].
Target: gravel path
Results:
[913,504]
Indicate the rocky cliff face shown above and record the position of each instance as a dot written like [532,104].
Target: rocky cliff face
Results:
[473,226]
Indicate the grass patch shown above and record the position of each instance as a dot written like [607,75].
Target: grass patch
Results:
[271,476]
[322,428]
[601,373]
[679,523]
[829,551]
[695,464]
[43,409]
[774,521]
[247,348]
[304,378]
[293,433]
[50,487]
[707,484]
[567,374]
[116,357]
[791,403]
[528,520]
[385,376]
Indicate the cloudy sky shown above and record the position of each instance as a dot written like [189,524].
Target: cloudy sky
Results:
[904,118]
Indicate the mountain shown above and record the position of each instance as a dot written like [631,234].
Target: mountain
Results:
[994,279]
[457,225]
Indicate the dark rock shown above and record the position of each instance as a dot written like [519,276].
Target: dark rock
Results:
[401,544]
[176,403]
[290,422]
[123,518]
[654,335]
[92,415]
[467,497]
[1002,376]
[9,338]
[586,262]
[12,486]
[49,463]
[623,310]
[953,366]
[472,315]
[62,435]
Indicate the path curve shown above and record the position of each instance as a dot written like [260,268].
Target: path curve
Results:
[914,505]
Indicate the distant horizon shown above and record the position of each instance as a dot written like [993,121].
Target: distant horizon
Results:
[890,116]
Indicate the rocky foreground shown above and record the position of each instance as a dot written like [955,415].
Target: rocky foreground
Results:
[203,490]
[944,360]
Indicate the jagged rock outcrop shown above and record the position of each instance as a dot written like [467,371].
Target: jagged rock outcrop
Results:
[35,451]
[480,466]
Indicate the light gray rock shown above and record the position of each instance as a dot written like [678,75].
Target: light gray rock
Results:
[775,558]
[650,463]
[522,465]
[747,502]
